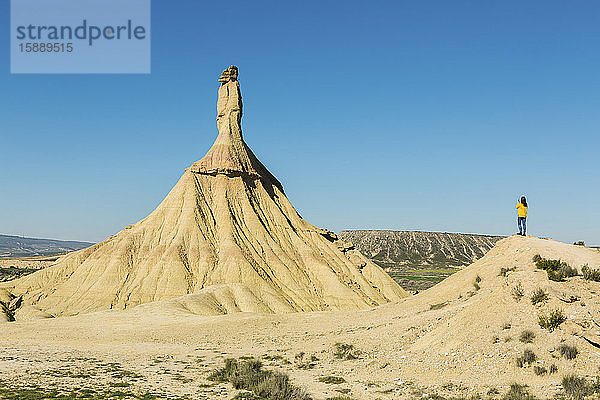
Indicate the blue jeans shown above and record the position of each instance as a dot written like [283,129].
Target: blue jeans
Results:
[522,225]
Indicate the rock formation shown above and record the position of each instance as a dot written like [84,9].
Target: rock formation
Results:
[227,233]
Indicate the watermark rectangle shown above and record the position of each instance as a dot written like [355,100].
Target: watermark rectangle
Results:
[80,36]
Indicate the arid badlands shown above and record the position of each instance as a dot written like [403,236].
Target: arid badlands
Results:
[225,268]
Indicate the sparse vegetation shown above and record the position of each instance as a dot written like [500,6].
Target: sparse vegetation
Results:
[8,391]
[518,392]
[249,375]
[539,370]
[552,321]
[506,325]
[527,336]
[504,271]
[575,387]
[538,296]
[438,306]
[518,292]
[590,274]
[567,351]
[553,369]
[303,361]
[557,270]
[579,243]
[330,379]
[344,351]
[527,358]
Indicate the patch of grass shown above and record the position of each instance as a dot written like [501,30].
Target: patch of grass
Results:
[590,274]
[527,358]
[333,380]
[575,387]
[344,351]
[438,306]
[567,351]
[250,376]
[527,336]
[553,369]
[419,278]
[32,392]
[552,321]
[538,296]
[518,392]
[504,271]
[435,270]
[518,292]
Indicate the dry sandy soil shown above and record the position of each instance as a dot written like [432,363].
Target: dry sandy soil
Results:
[450,339]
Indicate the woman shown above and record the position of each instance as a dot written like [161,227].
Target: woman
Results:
[522,215]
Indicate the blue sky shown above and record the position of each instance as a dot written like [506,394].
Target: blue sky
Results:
[404,115]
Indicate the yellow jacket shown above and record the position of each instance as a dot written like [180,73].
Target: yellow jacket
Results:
[522,210]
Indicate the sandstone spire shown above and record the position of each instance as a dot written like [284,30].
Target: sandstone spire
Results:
[229,154]
[225,237]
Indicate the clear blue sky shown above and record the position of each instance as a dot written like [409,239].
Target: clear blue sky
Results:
[406,115]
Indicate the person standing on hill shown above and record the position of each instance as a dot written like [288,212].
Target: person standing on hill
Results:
[522,215]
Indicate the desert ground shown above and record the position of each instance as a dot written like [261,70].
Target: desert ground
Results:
[458,338]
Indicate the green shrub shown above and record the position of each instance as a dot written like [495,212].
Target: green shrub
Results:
[579,243]
[575,387]
[518,292]
[526,359]
[552,321]
[557,270]
[539,370]
[344,351]
[518,392]
[590,274]
[527,336]
[539,295]
[250,376]
[567,351]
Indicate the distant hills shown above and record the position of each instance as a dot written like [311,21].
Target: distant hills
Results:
[17,246]
[418,260]
[416,249]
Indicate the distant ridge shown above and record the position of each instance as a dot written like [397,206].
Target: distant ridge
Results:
[416,248]
[19,246]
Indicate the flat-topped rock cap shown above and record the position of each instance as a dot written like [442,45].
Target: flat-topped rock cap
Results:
[230,155]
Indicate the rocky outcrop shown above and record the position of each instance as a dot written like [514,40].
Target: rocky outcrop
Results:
[226,234]
[416,249]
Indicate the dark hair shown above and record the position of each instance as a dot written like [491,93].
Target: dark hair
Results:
[524,201]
